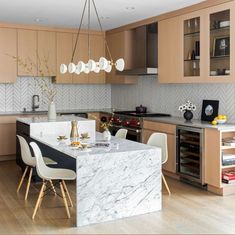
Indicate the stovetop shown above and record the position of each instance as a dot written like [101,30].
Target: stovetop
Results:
[135,114]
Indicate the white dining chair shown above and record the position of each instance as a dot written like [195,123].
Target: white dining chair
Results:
[30,163]
[48,174]
[160,140]
[121,133]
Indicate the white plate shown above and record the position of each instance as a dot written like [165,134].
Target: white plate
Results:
[220,121]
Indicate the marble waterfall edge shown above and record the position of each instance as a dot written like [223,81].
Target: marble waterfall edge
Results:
[118,185]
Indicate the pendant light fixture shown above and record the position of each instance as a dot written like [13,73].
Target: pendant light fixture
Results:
[91,66]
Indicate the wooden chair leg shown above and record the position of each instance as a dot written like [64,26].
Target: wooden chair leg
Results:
[43,192]
[22,178]
[52,186]
[164,180]
[39,200]
[28,184]
[65,200]
[67,192]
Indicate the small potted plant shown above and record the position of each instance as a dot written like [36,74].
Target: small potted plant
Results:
[187,108]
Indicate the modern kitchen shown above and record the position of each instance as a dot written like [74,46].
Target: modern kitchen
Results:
[117,117]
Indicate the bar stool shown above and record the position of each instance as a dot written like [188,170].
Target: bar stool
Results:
[30,163]
[49,174]
[160,140]
[121,133]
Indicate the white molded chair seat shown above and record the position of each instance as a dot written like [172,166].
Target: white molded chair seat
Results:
[48,174]
[30,162]
[160,140]
[121,133]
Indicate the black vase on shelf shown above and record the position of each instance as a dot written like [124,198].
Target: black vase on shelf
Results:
[188,115]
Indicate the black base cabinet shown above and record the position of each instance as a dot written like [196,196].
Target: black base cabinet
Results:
[63,160]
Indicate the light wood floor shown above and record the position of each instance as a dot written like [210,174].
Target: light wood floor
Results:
[187,210]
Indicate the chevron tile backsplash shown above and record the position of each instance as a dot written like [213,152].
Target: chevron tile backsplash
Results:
[16,97]
[166,98]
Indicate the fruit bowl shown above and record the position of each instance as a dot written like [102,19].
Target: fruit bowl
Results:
[221,121]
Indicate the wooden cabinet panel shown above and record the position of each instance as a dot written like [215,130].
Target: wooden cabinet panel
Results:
[95,116]
[46,53]
[81,54]
[8,41]
[160,127]
[170,165]
[119,45]
[170,51]
[97,51]
[27,51]
[64,52]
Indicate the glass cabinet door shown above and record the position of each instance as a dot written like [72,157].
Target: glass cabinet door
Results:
[220,43]
[192,47]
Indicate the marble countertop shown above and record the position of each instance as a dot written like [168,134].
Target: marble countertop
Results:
[68,111]
[116,145]
[193,123]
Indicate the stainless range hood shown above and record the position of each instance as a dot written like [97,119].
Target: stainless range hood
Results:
[144,51]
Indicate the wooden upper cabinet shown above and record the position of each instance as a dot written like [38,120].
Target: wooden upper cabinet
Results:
[170,47]
[119,45]
[97,51]
[81,54]
[27,52]
[46,53]
[64,52]
[8,72]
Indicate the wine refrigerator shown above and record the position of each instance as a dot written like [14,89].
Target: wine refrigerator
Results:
[189,154]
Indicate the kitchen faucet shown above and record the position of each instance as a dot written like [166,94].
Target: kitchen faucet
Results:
[35,104]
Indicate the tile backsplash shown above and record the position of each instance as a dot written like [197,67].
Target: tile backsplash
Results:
[17,96]
[167,98]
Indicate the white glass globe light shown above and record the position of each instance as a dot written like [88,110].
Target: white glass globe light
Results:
[97,69]
[120,64]
[81,66]
[63,68]
[91,65]
[103,63]
[71,67]
[108,69]
[86,71]
[77,71]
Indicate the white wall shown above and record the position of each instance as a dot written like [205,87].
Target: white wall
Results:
[166,98]
[15,97]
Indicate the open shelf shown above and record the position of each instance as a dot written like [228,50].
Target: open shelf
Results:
[228,166]
[196,60]
[220,29]
[223,147]
[192,34]
[220,57]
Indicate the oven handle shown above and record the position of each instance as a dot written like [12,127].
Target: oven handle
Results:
[128,128]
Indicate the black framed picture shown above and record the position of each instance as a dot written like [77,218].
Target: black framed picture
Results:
[210,110]
[221,46]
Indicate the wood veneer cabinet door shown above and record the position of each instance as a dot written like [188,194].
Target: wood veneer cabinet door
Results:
[120,47]
[97,51]
[64,52]
[8,67]
[27,51]
[170,49]
[46,53]
[81,54]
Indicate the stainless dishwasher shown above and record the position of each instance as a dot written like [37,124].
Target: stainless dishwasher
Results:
[190,163]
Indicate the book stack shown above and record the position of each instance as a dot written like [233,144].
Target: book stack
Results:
[228,177]
[229,141]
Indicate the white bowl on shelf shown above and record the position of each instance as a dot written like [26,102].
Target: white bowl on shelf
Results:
[221,121]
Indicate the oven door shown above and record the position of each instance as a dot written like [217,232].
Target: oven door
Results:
[132,134]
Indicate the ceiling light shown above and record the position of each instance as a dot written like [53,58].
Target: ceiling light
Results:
[92,65]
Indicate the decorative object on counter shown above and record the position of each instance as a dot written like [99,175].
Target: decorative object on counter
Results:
[220,119]
[106,135]
[216,24]
[141,109]
[74,131]
[51,111]
[91,65]
[187,109]
[221,46]
[209,110]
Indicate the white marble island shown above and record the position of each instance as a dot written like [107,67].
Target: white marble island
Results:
[114,182]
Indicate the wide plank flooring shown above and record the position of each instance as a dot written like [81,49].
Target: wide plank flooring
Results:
[188,210]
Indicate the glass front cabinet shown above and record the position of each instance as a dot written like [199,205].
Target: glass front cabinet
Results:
[209,44]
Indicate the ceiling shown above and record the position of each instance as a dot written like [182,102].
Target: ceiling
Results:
[67,13]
